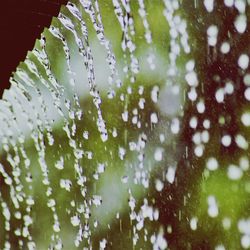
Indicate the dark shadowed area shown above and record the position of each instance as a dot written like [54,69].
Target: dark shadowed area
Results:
[21,22]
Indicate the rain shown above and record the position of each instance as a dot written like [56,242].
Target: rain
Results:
[127,127]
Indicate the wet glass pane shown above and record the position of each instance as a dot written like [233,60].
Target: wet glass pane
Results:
[127,127]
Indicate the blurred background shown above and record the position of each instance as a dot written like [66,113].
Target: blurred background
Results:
[126,126]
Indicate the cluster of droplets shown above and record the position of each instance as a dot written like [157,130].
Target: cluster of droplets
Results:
[86,52]
[177,32]
[139,219]
[179,45]
[123,13]
[95,15]
[148,35]
[32,108]
[18,104]
[32,105]
[200,125]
